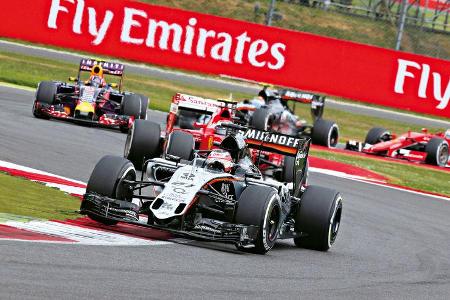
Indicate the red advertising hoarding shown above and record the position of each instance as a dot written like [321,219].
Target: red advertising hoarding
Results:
[214,45]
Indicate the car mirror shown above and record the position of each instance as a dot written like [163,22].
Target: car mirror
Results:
[74,79]
[113,85]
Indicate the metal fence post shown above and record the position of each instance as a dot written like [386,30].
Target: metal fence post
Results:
[401,24]
[270,13]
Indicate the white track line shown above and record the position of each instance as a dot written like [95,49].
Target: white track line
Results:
[85,236]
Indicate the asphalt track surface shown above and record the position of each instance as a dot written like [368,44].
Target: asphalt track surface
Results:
[219,84]
[392,244]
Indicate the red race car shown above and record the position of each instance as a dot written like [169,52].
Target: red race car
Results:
[91,101]
[421,147]
[208,121]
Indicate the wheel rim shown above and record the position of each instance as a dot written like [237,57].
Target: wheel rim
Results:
[443,155]
[333,138]
[274,219]
[335,222]
[123,191]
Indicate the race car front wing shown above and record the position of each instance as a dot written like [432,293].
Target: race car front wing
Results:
[204,228]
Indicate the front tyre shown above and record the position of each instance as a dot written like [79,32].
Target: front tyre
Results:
[377,135]
[318,218]
[37,113]
[46,92]
[143,142]
[437,152]
[260,206]
[107,179]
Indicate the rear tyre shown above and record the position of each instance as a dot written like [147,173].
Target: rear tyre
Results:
[144,106]
[318,217]
[107,180]
[180,144]
[437,152]
[260,206]
[261,119]
[131,105]
[377,135]
[325,133]
[288,169]
[46,92]
[143,142]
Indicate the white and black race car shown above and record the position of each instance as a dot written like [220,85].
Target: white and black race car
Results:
[217,195]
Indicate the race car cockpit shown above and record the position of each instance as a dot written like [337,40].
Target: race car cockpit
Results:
[236,146]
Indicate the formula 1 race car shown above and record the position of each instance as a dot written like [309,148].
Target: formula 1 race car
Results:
[270,111]
[205,120]
[92,101]
[421,147]
[218,195]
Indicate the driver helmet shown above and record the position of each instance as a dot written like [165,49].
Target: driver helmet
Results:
[447,134]
[220,160]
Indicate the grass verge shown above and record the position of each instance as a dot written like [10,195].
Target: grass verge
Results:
[415,177]
[352,126]
[19,196]
[38,69]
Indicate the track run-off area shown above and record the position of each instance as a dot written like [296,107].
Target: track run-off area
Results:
[392,243]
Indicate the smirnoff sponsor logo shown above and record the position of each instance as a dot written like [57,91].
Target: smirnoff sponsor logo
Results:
[271,137]
[189,37]
[425,77]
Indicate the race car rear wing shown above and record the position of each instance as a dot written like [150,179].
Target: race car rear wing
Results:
[109,68]
[297,147]
[199,103]
[317,101]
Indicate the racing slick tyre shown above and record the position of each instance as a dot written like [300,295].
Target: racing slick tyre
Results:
[144,106]
[131,105]
[180,144]
[261,119]
[143,142]
[260,206]
[318,218]
[288,169]
[107,180]
[36,112]
[325,133]
[437,152]
[377,135]
[46,92]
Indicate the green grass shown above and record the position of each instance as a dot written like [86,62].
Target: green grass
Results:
[39,69]
[327,23]
[19,196]
[415,177]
